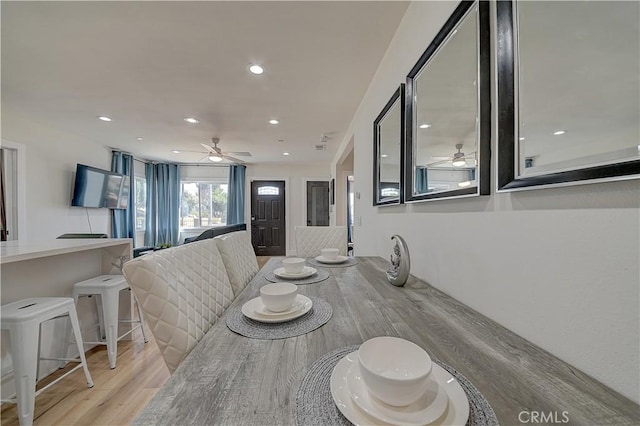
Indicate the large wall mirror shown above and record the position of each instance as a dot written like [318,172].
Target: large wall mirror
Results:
[388,148]
[449,110]
[568,92]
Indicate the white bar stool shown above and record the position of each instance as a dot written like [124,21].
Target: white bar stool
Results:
[23,319]
[108,287]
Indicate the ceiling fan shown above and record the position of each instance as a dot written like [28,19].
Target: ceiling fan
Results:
[216,155]
[458,159]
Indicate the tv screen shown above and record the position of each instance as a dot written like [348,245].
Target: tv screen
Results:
[100,188]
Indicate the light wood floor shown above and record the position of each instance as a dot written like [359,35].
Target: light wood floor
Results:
[118,395]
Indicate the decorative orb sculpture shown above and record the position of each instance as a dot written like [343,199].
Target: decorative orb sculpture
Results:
[398,273]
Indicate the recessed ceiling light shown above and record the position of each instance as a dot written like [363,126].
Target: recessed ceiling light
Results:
[521,139]
[274,121]
[384,156]
[104,118]
[175,151]
[560,132]
[256,69]
[139,138]
[285,153]
[425,126]
[191,120]
[463,184]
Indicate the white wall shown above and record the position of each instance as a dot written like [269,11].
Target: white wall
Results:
[556,266]
[295,177]
[51,157]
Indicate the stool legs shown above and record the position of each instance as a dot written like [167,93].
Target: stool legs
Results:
[142,326]
[75,324]
[24,344]
[110,314]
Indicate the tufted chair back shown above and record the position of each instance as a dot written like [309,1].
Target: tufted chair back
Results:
[183,291]
[311,239]
[239,258]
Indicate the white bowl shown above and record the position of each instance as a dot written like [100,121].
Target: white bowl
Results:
[278,297]
[330,253]
[293,265]
[394,370]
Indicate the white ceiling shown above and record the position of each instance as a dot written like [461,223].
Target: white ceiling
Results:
[147,65]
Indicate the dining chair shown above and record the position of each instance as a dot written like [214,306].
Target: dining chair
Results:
[239,258]
[183,290]
[311,239]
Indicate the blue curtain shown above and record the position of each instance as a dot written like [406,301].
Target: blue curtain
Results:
[123,222]
[235,194]
[150,214]
[422,184]
[163,203]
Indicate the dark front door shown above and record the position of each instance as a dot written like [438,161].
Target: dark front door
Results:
[317,203]
[268,224]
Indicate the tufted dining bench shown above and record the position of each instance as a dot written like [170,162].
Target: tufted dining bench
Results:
[182,291]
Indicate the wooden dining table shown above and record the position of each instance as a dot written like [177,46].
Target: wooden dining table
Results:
[229,379]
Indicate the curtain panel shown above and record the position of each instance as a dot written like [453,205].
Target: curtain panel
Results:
[163,204]
[123,222]
[235,194]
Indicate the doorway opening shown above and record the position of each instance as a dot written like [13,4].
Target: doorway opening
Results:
[317,203]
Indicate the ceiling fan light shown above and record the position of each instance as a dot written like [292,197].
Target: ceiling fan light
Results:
[459,162]
[215,158]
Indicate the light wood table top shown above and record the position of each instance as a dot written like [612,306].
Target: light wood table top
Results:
[231,379]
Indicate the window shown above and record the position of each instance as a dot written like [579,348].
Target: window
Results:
[268,190]
[141,202]
[203,204]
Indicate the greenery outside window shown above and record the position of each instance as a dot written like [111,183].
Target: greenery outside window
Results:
[203,204]
[141,202]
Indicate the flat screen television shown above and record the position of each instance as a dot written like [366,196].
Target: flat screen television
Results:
[98,188]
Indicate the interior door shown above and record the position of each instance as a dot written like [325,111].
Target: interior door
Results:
[268,224]
[317,203]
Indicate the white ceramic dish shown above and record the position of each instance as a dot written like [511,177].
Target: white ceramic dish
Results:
[306,272]
[261,309]
[456,415]
[339,259]
[253,306]
[329,253]
[293,265]
[429,408]
[278,297]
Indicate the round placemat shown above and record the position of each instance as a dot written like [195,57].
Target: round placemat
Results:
[318,316]
[349,262]
[315,406]
[319,276]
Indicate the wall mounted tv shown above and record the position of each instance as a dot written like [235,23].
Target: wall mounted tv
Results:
[100,188]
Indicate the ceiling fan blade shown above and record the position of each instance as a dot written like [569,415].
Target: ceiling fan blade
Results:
[435,163]
[239,153]
[209,148]
[232,159]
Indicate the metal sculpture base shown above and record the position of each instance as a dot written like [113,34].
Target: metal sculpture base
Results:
[398,273]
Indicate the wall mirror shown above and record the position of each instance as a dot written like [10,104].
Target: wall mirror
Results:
[449,110]
[388,148]
[568,91]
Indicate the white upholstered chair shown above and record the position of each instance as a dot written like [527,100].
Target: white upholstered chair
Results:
[311,239]
[183,291]
[239,258]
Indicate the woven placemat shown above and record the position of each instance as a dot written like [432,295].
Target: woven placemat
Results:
[318,316]
[319,276]
[349,262]
[315,406]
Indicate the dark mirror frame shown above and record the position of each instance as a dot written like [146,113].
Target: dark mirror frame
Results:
[507,137]
[484,92]
[398,95]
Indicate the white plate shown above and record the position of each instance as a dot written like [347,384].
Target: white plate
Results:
[425,411]
[339,259]
[260,308]
[307,271]
[457,412]
[250,310]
